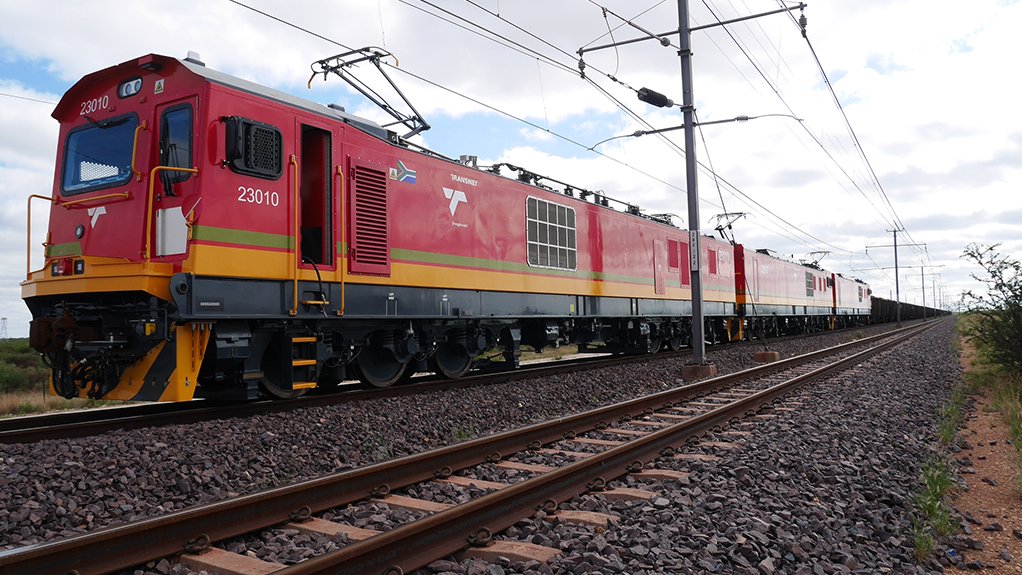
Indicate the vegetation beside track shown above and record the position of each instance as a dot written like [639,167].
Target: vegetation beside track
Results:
[989,343]
[23,383]
[993,329]
[934,517]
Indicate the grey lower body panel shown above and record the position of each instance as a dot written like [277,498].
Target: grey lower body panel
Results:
[212,298]
[784,310]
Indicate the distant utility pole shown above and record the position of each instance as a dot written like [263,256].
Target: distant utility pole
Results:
[897,284]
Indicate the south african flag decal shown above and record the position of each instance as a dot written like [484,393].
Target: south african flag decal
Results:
[402,174]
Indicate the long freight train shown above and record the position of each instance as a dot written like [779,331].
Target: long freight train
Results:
[209,237]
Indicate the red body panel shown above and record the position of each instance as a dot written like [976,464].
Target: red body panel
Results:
[771,282]
[851,297]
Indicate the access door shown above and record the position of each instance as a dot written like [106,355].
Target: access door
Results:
[316,213]
[172,192]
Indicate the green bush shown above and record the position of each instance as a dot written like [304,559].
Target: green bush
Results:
[13,378]
[996,317]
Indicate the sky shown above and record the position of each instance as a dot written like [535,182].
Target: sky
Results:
[912,124]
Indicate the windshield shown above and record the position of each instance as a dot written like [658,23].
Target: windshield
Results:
[99,155]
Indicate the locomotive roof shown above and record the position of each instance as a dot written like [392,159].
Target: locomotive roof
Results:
[283,97]
[68,101]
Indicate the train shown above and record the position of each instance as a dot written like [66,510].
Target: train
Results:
[209,237]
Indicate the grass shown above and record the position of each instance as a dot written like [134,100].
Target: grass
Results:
[933,515]
[24,383]
[1005,390]
[31,402]
[951,418]
[460,434]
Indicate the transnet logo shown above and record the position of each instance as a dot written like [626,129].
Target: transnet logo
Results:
[456,197]
[96,212]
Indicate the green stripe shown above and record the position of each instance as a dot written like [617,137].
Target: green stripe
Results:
[480,263]
[61,250]
[242,237]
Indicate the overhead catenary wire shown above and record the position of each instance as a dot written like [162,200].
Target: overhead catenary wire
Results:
[26,98]
[855,138]
[777,92]
[534,125]
[466,97]
[639,119]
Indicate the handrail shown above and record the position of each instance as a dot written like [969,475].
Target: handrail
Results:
[340,256]
[149,203]
[134,148]
[72,203]
[28,232]
[294,269]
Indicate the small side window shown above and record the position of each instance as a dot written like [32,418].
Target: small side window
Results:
[673,254]
[176,143]
[254,148]
[711,261]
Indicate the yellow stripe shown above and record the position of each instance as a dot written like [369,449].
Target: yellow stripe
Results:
[219,261]
[134,377]
[261,264]
[153,285]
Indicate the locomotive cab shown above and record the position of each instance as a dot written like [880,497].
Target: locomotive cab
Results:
[124,194]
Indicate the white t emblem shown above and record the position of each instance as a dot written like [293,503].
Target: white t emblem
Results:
[95,213]
[456,197]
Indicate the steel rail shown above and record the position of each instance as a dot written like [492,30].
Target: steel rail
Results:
[121,547]
[88,422]
[418,543]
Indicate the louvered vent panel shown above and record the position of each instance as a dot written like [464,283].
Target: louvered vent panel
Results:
[370,237]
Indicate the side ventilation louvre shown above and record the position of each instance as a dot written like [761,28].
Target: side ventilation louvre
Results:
[369,230]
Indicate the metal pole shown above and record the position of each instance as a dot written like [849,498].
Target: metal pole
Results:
[897,283]
[922,278]
[695,252]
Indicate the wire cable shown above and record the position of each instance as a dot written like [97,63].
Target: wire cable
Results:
[642,121]
[534,125]
[26,98]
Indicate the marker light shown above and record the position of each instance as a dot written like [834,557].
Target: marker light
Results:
[129,88]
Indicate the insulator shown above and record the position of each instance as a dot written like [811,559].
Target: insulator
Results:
[654,98]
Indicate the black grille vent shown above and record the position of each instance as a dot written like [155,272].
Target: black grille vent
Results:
[254,148]
[263,150]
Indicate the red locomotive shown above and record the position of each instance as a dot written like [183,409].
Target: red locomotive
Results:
[209,237]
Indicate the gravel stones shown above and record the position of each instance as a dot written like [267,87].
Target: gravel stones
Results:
[58,488]
[823,490]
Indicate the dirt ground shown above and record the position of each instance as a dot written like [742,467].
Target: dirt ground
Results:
[993,498]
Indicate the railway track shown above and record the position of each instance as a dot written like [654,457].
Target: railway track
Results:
[89,422]
[597,446]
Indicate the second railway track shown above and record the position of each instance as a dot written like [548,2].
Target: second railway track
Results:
[88,422]
[669,419]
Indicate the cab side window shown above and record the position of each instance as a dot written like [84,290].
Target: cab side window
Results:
[176,143]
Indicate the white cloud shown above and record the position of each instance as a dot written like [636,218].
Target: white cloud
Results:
[925,84]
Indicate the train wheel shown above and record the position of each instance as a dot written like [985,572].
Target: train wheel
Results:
[654,344]
[675,342]
[452,360]
[378,367]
